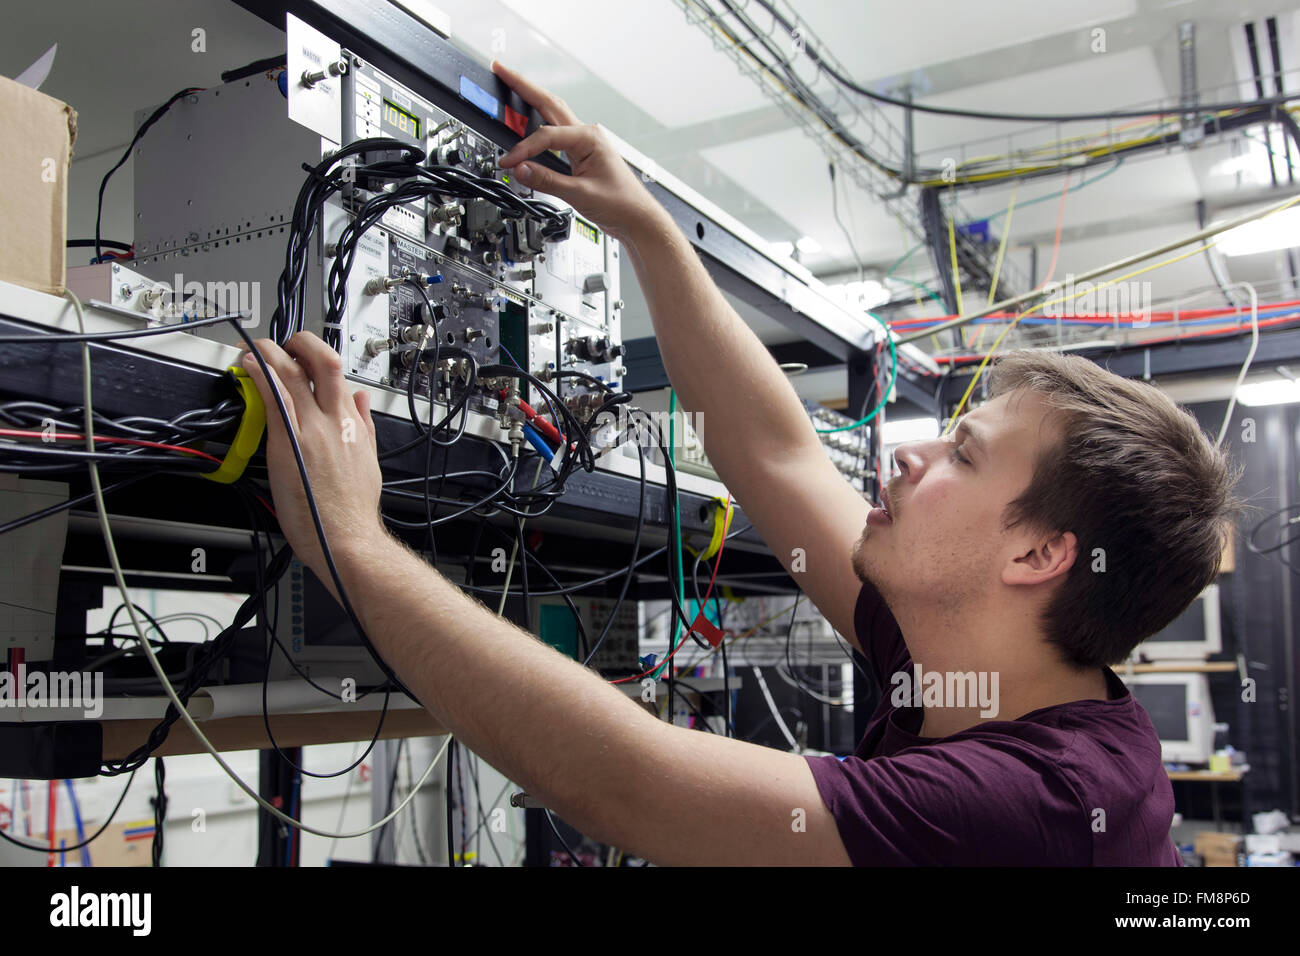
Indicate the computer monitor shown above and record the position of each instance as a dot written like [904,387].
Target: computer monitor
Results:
[1193,635]
[1180,709]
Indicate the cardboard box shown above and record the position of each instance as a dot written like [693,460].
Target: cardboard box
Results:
[36,137]
[1218,849]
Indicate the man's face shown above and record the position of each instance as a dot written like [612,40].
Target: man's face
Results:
[944,542]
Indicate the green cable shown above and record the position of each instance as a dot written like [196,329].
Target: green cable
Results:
[1119,161]
[997,215]
[893,373]
[675,544]
[923,287]
[903,258]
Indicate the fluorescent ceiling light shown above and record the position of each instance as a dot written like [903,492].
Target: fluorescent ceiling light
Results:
[1275,392]
[783,250]
[864,295]
[897,431]
[1278,231]
[808,245]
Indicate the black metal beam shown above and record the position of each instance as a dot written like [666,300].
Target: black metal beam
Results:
[1201,356]
[1162,360]
[645,367]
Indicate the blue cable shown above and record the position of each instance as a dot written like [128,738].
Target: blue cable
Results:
[293,812]
[539,443]
[1104,323]
[76,815]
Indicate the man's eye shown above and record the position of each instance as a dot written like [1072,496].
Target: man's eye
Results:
[956,455]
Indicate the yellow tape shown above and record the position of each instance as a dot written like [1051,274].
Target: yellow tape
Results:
[721,522]
[249,435]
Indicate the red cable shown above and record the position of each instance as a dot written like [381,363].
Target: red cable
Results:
[1263,324]
[548,430]
[53,815]
[1091,319]
[717,561]
[18,433]
[541,424]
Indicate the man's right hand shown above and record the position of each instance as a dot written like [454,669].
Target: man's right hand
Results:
[602,187]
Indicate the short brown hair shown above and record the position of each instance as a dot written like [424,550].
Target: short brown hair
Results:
[1134,476]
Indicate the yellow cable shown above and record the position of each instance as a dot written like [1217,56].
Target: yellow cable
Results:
[952,252]
[997,266]
[1083,138]
[1090,287]
[1095,153]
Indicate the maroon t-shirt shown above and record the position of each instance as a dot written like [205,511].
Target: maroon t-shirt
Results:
[1077,784]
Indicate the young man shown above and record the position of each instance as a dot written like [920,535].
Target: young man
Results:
[1066,519]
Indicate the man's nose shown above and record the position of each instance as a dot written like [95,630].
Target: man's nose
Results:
[908,460]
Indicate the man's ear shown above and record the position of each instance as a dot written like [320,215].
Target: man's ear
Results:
[1049,558]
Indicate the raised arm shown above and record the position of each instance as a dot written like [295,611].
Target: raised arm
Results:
[754,428]
[666,793]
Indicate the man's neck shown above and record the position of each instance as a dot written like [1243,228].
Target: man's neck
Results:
[1013,665]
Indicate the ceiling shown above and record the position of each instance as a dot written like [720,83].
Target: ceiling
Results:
[659,82]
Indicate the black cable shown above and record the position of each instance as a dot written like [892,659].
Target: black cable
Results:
[70,503]
[388,805]
[451,839]
[90,244]
[1014,117]
[159,809]
[112,620]
[523,576]
[74,458]
[726,689]
[317,523]
[482,817]
[84,843]
[460,799]
[269,623]
[413,816]
[213,651]
[541,565]
[695,710]
[1279,547]
[631,565]
[139,134]
[257,66]
[563,842]
[39,337]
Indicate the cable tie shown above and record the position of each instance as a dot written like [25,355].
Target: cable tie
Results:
[721,522]
[249,434]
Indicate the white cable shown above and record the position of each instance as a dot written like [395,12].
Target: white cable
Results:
[1254,344]
[514,550]
[820,698]
[510,569]
[771,705]
[148,649]
[347,794]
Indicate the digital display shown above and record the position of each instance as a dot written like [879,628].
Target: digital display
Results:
[400,119]
[587,230]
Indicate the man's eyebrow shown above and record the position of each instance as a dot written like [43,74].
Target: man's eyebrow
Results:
[964,427]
